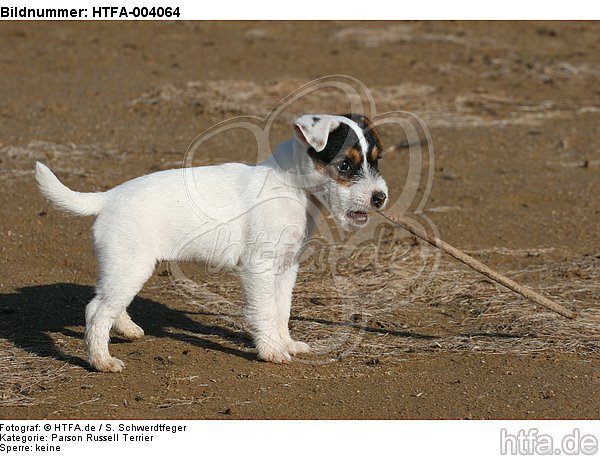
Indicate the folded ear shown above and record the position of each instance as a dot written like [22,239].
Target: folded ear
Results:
[312,130]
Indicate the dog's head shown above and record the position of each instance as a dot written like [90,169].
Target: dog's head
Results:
[344,152]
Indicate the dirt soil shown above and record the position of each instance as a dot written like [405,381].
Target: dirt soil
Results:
[514,112]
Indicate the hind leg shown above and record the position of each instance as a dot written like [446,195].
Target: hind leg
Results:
[115,291]
[99,317]
[125,327]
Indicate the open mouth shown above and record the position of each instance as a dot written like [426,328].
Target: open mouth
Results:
[358,217]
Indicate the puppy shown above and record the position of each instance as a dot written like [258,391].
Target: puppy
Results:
[249,220]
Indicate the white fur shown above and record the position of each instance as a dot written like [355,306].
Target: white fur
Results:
[250,220]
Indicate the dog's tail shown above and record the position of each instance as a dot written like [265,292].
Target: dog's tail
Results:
[63,197]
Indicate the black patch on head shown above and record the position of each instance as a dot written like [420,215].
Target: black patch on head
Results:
[341,158]
[372,137]
[339,140]
[316,120]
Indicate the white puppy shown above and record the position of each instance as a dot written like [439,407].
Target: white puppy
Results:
[249,220]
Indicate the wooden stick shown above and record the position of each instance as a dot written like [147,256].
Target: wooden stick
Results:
[415,229]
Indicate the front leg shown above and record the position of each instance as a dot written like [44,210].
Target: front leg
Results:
[263,317]
[284,285]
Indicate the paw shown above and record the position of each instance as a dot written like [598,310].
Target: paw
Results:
[108,364]
[295,347]
[272,352]
[275,356]
[130,332]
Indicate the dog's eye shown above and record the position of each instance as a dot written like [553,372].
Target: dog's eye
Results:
[344,167]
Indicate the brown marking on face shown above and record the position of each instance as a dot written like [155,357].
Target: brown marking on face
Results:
[341,180]
[343,146]
[333,173]
[374,153]
[371,135]
[354,156]
[369,127]
[319,166]
[377,149]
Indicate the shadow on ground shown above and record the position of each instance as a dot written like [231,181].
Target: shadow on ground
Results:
[31,315]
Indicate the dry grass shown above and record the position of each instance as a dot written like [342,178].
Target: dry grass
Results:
[182,402]
[21,374]
[408,298]
[405,299]
[436,108]
[19,161]
[381,303]
[404,33]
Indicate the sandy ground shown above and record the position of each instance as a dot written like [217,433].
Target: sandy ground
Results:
[513,110]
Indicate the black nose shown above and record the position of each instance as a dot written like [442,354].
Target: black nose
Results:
[378,199]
